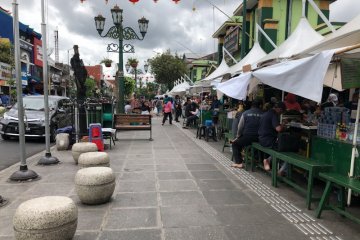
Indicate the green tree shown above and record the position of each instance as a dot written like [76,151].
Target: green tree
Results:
[90,85]
[6,55]
[129,86]
[167,68]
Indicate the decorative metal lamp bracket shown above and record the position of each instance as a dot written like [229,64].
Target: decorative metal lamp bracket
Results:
[126,48]
[126,34]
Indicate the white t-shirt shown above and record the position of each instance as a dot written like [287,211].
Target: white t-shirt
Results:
[127,108]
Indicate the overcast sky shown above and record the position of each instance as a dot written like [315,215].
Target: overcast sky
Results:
[183,27]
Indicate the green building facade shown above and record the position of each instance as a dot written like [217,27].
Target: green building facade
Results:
[278,18]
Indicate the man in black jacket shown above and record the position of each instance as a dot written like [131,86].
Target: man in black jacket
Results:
[247,131]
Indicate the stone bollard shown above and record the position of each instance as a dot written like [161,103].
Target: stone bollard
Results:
[95,185]
[62,141]
[82,147]
[46,218]
[94,159]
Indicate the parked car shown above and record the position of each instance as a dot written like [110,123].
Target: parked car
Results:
[60,115]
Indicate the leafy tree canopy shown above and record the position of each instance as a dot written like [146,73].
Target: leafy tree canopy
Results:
[129,86]
[167,68]
[6,55]
[90,87]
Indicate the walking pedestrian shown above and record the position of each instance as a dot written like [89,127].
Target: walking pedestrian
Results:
[167,110]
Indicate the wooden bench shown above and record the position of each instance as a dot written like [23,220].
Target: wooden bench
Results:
[342,182]
[257,146]
[312,166]
[133,122]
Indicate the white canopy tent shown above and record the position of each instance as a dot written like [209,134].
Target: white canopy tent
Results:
[302,38]
[255,54]
[180,88]
[347,35]
[219,72]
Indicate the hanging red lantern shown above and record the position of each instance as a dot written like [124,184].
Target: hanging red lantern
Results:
[176,1]
[134,1]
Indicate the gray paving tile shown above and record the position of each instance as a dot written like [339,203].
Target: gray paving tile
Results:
[135,186]
[177,185]
[204,160]
[181,198]
[195,233]
[249,214]
[170,167]
[173,175]
[138,168]
[137,176]
[64,177]
[166,155]
[264,232]
[186,216]
[141,234]
[146,199]
[145,161]
[51,189]
[81,235]
[131,218]
[216,184]
[202,167]
[6,220]
[169,161]
[226,197]
[90,220]
[208,175]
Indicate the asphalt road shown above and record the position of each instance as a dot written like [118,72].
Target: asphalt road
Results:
[10,150]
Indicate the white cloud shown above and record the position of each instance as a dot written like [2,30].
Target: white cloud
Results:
[172,26]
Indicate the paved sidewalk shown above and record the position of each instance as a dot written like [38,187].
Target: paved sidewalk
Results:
[176,188]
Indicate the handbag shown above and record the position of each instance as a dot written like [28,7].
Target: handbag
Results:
[288,143]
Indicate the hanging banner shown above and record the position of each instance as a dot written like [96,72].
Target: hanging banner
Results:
[350,73]
[5,71]
[38,56]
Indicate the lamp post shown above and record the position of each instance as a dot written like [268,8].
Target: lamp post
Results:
[24,173]
[120,33]
[48,159]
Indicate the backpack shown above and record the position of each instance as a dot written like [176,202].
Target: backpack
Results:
[158,103]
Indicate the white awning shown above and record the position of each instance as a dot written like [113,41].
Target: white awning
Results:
[236,87]
[303,77]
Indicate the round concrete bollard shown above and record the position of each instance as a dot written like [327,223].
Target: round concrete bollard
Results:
[62,141]
[94,159]
[46,218]
[95,185]
[82,147]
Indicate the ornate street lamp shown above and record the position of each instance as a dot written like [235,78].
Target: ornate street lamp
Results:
[127,67]
[120,33]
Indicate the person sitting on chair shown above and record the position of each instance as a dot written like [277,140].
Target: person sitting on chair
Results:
[247,131]
[194,114]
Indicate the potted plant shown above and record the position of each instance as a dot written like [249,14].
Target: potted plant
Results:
[107,62]
[133,62]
